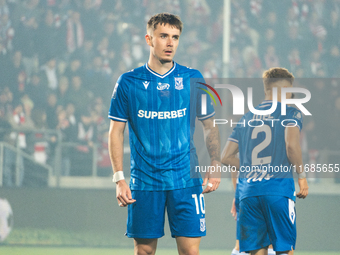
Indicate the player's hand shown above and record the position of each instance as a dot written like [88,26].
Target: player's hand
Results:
[123,194]
[233,209]
[303,188]
[213,179]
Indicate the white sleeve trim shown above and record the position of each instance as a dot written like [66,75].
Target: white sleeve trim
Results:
[115,118]
[293,125]
[207,116]
[232,139]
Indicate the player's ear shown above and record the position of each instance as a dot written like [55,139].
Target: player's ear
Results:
[148,39]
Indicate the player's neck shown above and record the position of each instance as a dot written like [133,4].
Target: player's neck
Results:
[159,67]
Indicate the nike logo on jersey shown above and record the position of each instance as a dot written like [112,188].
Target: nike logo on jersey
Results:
[146,84]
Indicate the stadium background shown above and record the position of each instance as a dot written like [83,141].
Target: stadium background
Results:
[59,61]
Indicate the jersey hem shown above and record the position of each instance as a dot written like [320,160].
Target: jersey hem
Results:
[189,186]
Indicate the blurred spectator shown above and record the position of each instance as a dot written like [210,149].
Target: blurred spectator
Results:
[51,111]
[18,121]
[26,40]
[80,96]
[334,60]
[50,38]
[65,127]
[317,66]
[50,74]
[37,91]
[294,60]
[98,78]
[85,137]
[74,68]
[63,92]
[40,140]
[236,61]
[90,18]
[271,59]
[252,62]
[6,29]
[75,32]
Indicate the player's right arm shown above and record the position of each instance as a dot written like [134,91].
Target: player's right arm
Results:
[294,154]
[229,158]
[116,151]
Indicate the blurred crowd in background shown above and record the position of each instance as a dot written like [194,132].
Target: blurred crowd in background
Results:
[59,59]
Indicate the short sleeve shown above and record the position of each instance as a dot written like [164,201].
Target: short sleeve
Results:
[204,106]
[233,137]
[294,118]
[119,101]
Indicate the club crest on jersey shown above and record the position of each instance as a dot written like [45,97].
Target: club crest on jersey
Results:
[298,115]
[178,83]
[163,86]
[146,84]
[202,225]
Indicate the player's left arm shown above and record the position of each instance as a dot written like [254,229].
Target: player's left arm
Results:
[229,158]
[294,154]
[212,140]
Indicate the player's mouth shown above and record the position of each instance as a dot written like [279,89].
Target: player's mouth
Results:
[168,52]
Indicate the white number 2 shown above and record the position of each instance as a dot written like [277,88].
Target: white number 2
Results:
[199,201]
[255,160]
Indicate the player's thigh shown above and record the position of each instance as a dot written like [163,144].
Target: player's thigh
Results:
[146,216]
[188,245]
[281,221]
[186,211]
[253,230]
[145,246]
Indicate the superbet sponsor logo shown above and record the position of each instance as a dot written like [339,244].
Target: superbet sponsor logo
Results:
[162,115]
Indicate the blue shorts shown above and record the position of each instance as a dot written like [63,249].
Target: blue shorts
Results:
[185,208]
[267,220]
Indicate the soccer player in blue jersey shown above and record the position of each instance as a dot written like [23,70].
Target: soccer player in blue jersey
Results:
[269,151]
[161,101]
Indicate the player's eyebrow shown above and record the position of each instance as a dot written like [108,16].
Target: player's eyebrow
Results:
[165,34]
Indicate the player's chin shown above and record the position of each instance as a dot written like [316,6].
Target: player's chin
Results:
[166,59]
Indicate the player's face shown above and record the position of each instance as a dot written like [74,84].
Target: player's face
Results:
[163,42]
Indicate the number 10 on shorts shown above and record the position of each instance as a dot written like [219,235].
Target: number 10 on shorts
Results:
[199,202]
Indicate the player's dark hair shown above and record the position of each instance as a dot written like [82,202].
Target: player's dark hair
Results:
[274,74]
[163,19]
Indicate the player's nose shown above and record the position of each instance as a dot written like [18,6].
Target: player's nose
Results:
[170,42]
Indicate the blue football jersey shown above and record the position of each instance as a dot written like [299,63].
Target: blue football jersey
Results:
[264,165]
[161,111]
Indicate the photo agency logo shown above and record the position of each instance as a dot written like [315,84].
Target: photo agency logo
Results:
[204,97]
[238,103]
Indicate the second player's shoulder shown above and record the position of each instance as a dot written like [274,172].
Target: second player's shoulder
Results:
[294,113]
